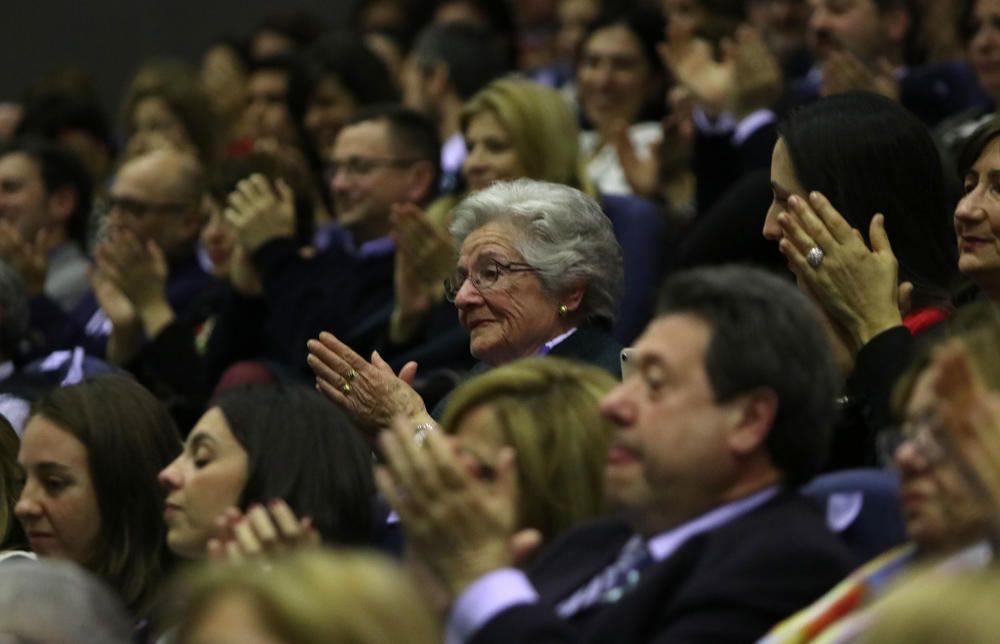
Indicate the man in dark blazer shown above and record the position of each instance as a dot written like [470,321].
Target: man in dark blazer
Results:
[726,411]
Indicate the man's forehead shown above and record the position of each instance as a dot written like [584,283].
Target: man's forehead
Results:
[367,138]
[147,175]
[673,337]
[21,164]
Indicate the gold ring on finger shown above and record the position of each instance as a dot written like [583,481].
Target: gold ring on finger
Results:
[346,388]
[351,375]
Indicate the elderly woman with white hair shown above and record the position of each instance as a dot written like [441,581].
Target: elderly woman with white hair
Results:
[539,272]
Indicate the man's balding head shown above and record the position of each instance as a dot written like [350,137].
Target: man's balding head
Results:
[158,196]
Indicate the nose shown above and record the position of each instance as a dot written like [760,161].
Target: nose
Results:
[340,181]
[772,229]
[970,208]
[468,295]
[617,405]
[170,477]
[27,506]
[818,19]
[909,460]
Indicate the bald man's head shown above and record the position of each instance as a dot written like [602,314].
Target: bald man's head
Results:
[158,196]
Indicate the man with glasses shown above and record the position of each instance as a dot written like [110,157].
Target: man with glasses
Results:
[156,201]
[726,412]
[383,156]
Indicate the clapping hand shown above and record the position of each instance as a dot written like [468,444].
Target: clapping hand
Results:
[369,392]
[844,72]
[459,527]
[856,286]
[970,419]
[260,534]
[260,212]
[29,258]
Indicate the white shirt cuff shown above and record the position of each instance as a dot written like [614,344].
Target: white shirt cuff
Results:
[486,598]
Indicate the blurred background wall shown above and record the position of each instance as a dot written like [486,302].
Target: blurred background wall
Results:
[111,37]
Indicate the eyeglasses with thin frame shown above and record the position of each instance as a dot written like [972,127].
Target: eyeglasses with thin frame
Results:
[921,433]
[363,166]
[484,276]
[138,208]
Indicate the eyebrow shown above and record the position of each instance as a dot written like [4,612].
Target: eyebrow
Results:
[779,189]
[50,467]
[197,440]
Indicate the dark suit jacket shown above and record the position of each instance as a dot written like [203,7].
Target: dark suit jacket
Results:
[727,585]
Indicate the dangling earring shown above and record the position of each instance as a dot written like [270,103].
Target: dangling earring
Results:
[563,310]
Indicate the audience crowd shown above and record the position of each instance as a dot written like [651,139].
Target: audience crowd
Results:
[478,321]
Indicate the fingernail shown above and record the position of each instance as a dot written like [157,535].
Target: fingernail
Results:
[793,200]
[814,195]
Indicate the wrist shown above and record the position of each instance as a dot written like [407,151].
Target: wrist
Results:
[155,315]
[868,329]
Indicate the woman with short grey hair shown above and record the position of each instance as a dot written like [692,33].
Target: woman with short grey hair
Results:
[564,235]
[539,272]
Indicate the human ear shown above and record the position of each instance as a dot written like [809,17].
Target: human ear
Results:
[751,418]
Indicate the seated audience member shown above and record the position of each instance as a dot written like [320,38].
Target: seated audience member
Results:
[447,65]
[547,412]
[266,116]
[947,520]
[867,45]
[515,128]
[90,456]
[722,121]
[80,126]
[572,18]
[57,601]
[310,597]
[782,23]
[45,199]
[187,352]
[977,215]
[336,77]
[261,443]
[384,155]
[539,273]
[725,414]
[621,86]
[176,108]
[982,44]
[223,76]
[850,174]
[157,210]
[11,535]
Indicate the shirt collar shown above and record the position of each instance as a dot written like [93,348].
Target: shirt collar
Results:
[666,543]
[551,344]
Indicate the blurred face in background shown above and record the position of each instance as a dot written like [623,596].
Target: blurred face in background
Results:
[851,25]
[266,115]
[574,16]
[329,108]
[613,76]
[491,152]
[941,511]
[984,45]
